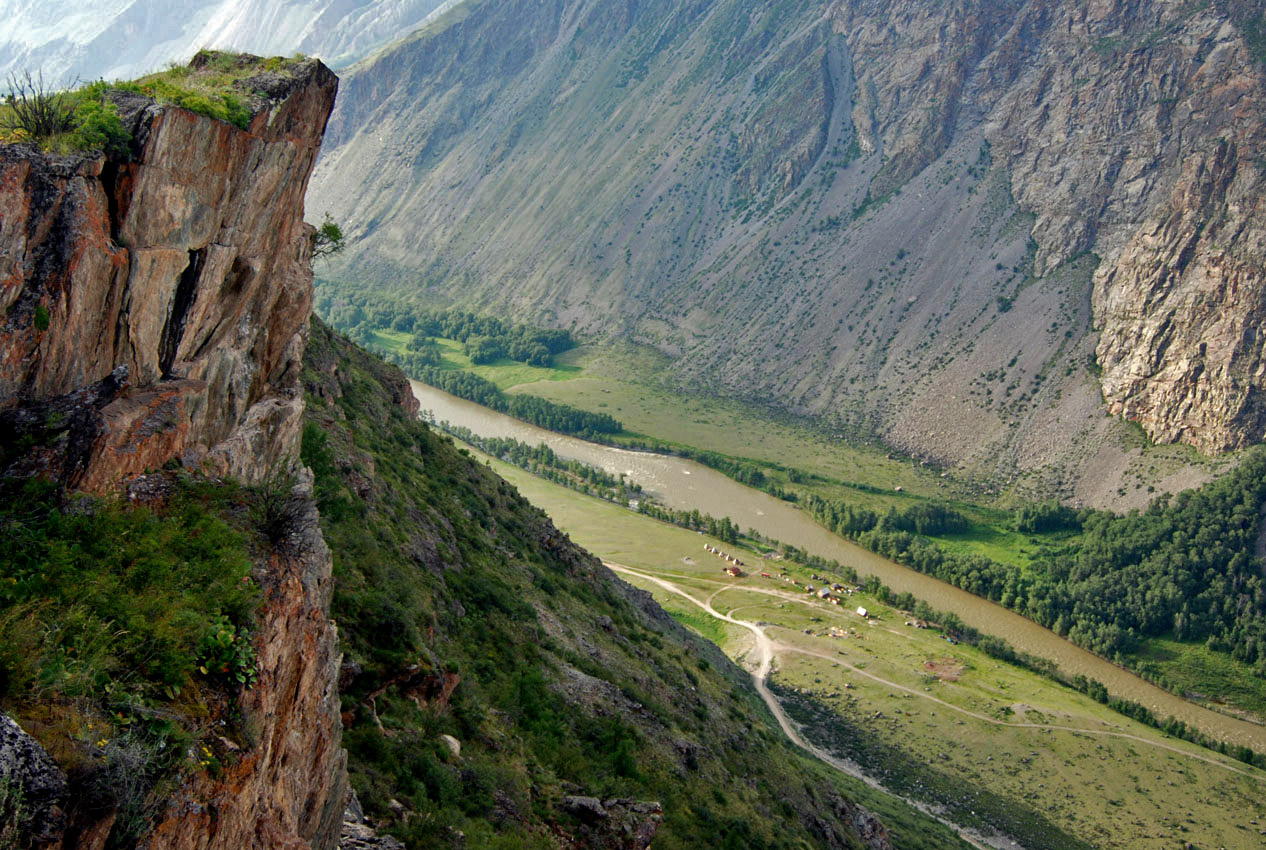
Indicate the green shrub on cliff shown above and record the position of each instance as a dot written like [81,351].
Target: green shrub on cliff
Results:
[62,121]
[124,634]
[102,600]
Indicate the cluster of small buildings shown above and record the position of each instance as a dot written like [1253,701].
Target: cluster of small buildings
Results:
[833,593]
[735,568]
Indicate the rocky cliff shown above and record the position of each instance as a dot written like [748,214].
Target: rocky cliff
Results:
[158,305]
[979,229]
[155,314]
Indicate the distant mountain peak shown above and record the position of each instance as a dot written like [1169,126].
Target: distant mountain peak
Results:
[120,39]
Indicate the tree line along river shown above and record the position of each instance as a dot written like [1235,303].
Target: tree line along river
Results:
[684,484]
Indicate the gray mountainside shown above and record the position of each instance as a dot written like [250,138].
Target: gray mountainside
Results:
[978,229]
[120,39]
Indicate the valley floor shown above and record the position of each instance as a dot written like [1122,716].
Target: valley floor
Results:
[794,456]
[989,744]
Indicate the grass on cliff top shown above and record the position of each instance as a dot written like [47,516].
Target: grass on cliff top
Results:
[212,84]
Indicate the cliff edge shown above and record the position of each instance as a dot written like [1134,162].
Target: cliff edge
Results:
[155,311]
[157,305]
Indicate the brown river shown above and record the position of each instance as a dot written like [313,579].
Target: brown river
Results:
[681,483]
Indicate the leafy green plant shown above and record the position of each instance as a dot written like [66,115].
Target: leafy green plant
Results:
[228,652]
[63,121]
[98,126]
[328,239]
[221,105]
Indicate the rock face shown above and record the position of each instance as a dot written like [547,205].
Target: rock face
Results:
[358,834]
[1146,149]
[34,786]
[182,275]
[289,790]
[155,309]
[612,824]
[962,226]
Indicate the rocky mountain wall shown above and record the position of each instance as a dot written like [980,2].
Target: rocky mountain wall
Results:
[289,790]
[983,230]
[155,311]
[181,275]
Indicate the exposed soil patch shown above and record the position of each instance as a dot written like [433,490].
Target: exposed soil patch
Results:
[946,669]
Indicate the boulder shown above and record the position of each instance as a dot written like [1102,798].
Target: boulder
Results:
[31,785]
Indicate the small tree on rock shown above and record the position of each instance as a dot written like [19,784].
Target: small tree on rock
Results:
[328,239]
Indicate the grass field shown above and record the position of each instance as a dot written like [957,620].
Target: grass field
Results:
[505,373]
[1198,671]
[944,721]
[833,467]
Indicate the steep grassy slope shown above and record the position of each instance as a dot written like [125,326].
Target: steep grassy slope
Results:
[124,634]
[887,215]
[464,612]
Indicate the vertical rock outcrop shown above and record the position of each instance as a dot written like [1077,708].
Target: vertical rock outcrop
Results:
[156,308]
[32,786]
[186,266]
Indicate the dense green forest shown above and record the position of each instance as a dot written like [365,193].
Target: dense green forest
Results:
[1183,568]
[485,339]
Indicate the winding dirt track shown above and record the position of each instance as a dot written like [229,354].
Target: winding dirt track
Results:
[767,648]
[778,647]
[765,653]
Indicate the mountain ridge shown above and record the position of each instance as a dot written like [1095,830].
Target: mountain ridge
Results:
[121,39]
